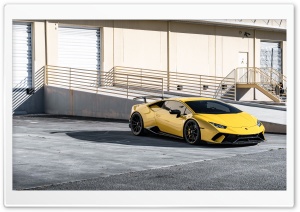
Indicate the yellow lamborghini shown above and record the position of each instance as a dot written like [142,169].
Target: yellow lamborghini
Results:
[197,120]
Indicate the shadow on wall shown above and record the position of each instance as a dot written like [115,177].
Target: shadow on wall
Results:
[29,100]
[241,93]
[195,27]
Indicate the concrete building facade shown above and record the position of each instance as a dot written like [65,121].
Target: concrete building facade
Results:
[187,47]
[212,48]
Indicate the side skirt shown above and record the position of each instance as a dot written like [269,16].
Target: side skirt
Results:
[157,131]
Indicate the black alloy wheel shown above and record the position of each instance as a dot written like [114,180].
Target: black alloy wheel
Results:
[137,125]
[191,132]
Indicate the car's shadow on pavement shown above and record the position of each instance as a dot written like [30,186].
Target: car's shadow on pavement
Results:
[127,138]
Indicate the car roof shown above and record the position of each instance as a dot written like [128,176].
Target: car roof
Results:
[187,99]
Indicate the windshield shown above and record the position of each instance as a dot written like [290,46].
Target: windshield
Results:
[211,107]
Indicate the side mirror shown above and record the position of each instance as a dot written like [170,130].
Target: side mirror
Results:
[177,112]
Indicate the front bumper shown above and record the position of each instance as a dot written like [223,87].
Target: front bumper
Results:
[239,139]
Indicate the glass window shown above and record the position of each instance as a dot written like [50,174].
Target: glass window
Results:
[212,107]
[174,105]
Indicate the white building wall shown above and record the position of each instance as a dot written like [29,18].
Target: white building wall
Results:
[140,44]
[39,55]
[107,53]
[193,47]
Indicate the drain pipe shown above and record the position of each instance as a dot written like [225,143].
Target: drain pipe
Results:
[254,64]
[46,54]
[168,56]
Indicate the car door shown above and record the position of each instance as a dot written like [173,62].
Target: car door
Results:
[170,123]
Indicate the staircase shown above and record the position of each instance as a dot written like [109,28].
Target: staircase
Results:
[227,88]
[266,81]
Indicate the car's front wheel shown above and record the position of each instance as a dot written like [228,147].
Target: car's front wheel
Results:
[191,132]
[137,124]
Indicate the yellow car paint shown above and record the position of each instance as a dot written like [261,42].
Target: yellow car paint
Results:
[236,124]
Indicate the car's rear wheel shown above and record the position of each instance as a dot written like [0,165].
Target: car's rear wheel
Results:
[137,124]
[191,132]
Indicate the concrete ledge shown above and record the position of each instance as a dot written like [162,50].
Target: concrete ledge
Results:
[253,104]
[60,101]
[16,113]
[274,127]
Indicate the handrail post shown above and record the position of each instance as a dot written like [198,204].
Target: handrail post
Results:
[46,75]
[98,82]
[168,81]
[200,85]
[162,87]
[235,83]
[271,71]
[70,78]
[114,70]
[127,86]
[235,92]
[247,75]
[235,76]
[221,88]
[99,79]
[141,77]
[234,86]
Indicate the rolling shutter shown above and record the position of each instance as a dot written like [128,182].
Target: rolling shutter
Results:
[22,55]
[79,48]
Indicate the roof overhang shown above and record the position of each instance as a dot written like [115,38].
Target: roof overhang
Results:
[233,23]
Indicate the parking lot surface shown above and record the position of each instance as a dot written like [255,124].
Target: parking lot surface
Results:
[69,153]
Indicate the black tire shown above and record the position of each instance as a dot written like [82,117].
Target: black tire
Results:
[137,124]
[191,132]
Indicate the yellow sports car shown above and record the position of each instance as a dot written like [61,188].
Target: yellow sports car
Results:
[196,120]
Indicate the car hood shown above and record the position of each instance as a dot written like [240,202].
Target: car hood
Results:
[242,119]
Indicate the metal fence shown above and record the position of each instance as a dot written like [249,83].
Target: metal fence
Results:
[179,83]
[124,85]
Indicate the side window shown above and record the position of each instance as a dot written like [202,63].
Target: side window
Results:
[187,111]
[174,105]
[166,106]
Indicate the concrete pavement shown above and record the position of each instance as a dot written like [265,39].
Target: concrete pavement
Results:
[258,171]
[56,150]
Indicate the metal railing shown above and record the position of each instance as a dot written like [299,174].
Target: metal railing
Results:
[227,87]
[128,82]
[131,82]
[274,74]
[268,80]
[21,92]
[179,83]
[123,85]
[72,78]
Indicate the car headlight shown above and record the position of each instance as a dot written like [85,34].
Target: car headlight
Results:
[218,125]
[258,123]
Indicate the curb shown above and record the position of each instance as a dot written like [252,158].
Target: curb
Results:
[255,105]
[274,127]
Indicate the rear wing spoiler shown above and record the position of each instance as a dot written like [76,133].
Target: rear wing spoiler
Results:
[149,97]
